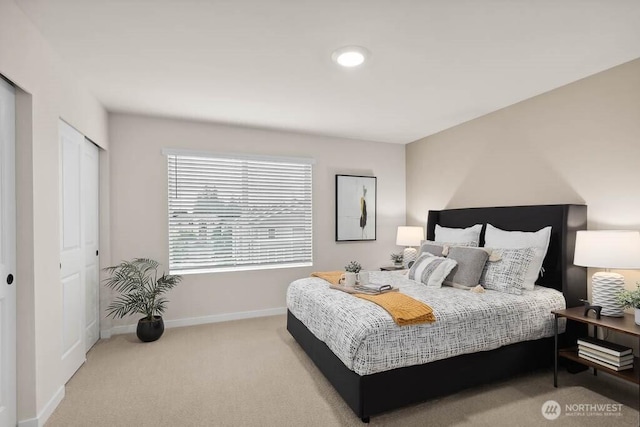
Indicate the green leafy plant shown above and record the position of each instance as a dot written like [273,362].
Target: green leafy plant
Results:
[140,288]
[397,258]
[353,267]
[630,298]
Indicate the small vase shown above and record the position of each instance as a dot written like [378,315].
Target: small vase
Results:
[637,310]
[348,279]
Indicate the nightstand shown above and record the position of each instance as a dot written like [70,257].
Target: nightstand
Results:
[625,325]
[392,268]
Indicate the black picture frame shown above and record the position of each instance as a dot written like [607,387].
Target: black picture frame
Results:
[356,208]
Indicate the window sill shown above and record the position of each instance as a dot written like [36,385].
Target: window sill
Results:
[239,269]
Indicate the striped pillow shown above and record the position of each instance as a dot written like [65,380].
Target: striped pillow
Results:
[431,270]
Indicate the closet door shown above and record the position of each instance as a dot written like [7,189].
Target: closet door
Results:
[91,213]
[79,228]
[7,256]
[72,271]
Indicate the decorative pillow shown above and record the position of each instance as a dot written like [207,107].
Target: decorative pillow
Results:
[442,248]
[431,270]
[509,274]
[539,240]
[471,261]
[434,248]
[469,236]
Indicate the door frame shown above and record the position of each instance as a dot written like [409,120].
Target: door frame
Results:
[8,251]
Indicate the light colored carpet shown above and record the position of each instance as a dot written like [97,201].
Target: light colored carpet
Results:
[252,373]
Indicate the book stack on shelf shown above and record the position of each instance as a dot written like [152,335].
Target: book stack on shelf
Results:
[610,355]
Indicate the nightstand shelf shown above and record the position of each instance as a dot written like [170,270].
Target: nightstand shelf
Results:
[625,325]
[632,375]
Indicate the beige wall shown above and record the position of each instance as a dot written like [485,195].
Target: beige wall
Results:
[576,144]
[139,205]
[47,90]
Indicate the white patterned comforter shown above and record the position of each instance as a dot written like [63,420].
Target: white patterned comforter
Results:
[367,340]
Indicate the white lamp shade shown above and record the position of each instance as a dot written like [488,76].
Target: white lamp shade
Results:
[608,249]
[409,236]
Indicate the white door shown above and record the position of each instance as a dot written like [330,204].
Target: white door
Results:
[72,265]
[90,188]
[7,256]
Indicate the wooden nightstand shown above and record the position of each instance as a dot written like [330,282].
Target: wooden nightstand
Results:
[392,268]
[625,325]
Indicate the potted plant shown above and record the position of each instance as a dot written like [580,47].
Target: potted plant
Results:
[141,292]
[351,273]
[631,299]
[397,259]
[353,267]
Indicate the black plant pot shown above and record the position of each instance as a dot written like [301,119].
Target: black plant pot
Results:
[150,330]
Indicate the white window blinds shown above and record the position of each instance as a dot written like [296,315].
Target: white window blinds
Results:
[236,213]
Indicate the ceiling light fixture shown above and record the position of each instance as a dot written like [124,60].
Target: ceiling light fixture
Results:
[350,56]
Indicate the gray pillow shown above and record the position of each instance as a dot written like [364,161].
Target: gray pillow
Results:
[471,261]
[434,248]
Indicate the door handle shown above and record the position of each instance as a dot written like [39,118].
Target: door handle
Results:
[9,279]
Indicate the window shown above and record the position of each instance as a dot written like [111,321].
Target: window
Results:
[232,212]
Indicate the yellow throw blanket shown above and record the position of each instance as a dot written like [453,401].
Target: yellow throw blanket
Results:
[404,309]
[332,277]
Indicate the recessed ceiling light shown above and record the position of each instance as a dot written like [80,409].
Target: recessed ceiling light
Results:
[350,56]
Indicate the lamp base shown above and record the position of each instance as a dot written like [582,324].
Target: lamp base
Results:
[604,290]
[408,255]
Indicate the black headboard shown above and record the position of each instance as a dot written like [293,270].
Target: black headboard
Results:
[565,220]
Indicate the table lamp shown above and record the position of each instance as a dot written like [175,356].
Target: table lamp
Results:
[617,249]
[409,236]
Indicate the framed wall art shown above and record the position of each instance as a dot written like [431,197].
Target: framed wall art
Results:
[355,208]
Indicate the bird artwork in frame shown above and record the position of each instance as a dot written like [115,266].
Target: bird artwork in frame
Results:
[355,208]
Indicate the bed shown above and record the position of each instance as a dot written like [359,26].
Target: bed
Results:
[366,389]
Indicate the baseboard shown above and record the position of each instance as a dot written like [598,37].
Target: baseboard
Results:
[192,321]
[31,422]
[46,412]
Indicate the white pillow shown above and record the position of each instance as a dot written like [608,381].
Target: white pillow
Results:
[431,270]
[469,236]
[539,241]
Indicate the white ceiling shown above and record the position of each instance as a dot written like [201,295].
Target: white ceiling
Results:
[267,63]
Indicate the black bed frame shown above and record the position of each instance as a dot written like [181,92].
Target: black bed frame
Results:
[370,394]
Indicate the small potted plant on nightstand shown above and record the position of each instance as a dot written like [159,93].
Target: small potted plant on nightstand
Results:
[141,292]
[631,299]
[397,259]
